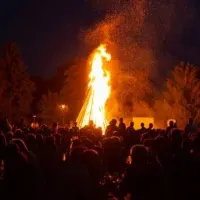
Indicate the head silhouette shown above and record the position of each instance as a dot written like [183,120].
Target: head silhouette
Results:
[113,122]
[150,126]
[91,123]
[139,155]
[131,124]
[171,123]
[142,125]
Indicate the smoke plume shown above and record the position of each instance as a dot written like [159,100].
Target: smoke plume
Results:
[142,36]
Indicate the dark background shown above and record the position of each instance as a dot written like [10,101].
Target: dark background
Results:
[47,32]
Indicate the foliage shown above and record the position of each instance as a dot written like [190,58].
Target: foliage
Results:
[74,90]
[49,107]
[3,82]
[181,98]
[17,90]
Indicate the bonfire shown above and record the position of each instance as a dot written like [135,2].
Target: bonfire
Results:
[94,107]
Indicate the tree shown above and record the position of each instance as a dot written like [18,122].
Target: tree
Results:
[181,98]
[3,82]
[18,88]
[73,92]
[49,107]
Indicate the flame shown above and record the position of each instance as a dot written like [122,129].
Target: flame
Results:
[99,91]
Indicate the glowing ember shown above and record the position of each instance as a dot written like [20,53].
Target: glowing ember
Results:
[99,91]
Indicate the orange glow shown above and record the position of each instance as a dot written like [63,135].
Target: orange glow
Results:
[99,91]
[63,106]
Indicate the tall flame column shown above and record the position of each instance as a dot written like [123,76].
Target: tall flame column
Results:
[98,91]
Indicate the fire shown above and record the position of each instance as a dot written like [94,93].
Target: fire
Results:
[99,91]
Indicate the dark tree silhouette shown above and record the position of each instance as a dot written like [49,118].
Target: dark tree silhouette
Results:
[74,90]
[181,97]
[18,88]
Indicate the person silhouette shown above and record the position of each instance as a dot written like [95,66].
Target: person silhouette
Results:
[190,127]
[131,128]
[170,127]
[122,125]
[143,129]
[150,126]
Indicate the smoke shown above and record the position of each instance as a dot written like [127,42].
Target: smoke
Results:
[143,24]
[143,36]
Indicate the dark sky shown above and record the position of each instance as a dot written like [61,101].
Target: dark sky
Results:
[47,31]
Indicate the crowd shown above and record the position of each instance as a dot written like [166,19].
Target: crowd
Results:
[71,163]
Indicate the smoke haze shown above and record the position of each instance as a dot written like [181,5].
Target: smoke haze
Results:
[143,37]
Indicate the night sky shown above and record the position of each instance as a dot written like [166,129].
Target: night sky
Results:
[47,31]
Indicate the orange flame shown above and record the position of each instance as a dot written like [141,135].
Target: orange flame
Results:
[99,91]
